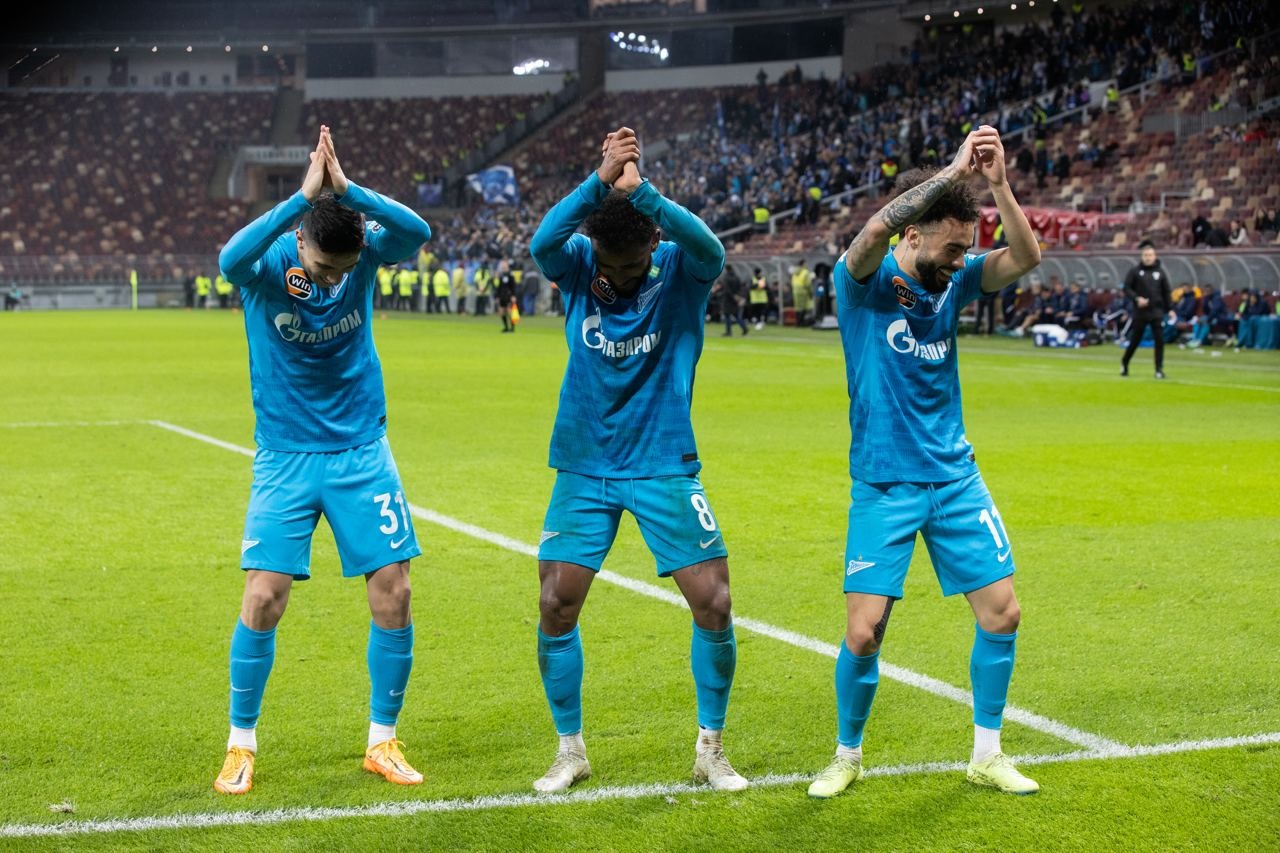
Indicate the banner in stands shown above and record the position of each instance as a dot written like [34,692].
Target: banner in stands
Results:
[430,194]
[497,184]
[1053,224]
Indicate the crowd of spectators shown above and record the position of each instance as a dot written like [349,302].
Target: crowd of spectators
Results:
[729,154]
[116,173]
[395,144]
[107,173]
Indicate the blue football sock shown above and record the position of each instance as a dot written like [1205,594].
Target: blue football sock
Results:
[713,655]
[560,662]
[990,668]
[252,653]
[856,682]
[390,659]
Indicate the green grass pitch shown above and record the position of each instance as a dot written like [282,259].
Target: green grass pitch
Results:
[1143,516]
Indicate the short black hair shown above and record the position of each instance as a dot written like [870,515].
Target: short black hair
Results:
[333,228]
[617,226]
[1146,244]
[958,202]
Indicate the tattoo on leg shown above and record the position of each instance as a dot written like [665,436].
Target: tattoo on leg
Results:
[878,630]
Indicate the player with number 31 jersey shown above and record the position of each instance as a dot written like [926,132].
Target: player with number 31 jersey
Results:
[322,446]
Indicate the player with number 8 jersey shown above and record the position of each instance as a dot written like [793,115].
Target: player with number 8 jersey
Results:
[634,312]
[322,448]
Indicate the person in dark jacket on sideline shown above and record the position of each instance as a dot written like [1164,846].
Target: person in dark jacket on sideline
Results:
[1147,287]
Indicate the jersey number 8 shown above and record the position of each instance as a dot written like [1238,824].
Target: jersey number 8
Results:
[700,506]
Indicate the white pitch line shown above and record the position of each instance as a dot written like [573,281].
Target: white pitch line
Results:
[207,439]
[791,638]
[906,676]
[311,814]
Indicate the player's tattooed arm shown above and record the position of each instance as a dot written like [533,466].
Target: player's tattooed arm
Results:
[868,247]
[912,204]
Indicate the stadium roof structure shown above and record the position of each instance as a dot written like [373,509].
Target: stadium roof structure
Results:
[87,23]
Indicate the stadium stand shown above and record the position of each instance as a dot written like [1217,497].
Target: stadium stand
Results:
[389,140]
[105,173]
[131,172]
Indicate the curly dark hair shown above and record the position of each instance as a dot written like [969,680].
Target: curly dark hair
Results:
[333,228]
[958,202]
[617,226]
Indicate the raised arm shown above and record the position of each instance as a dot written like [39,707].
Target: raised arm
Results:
[239,258]
[549,245]
[402,231]
[703,252]
[870,244]
[1006,265]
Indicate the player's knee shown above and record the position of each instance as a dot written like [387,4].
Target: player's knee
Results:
[557,611]
[715,611]
[263,606]
[398,595]
[862,639]
[390,597]
[1004,620]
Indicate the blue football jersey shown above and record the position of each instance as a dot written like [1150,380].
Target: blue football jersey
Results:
[904,383]
[314,372]
[628,387]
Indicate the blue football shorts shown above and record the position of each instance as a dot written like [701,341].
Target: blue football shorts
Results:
[673,514]
[357,490]
[960,524]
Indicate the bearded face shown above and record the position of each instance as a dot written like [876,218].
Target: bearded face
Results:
[936,250]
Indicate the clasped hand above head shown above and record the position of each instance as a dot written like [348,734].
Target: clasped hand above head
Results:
[621,157]
[324,172]
[982,153]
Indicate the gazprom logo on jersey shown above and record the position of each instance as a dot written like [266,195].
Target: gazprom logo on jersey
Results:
[289,325]
[899,337]
[595,339]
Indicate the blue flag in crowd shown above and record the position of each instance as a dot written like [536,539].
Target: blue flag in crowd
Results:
[431,194]
[497,184]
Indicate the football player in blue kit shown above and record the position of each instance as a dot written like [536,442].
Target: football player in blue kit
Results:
[913,470]
[321,434]
[635,289]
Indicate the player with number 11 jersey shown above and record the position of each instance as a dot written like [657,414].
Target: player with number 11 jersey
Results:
[912,467]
